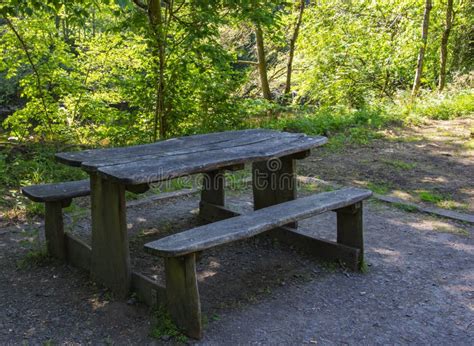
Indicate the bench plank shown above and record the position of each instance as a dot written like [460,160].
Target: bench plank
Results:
[248,225]
[57,192]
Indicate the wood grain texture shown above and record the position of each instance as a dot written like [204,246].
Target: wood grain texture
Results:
[78,252]
[350,228]
[213,191]
[110,263]
[148,291]
[54,230]
[274,182]
[182,294]
[248,225]
[180,144]
[58,191]
[189,155]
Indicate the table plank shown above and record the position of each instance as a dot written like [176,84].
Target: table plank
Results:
[177,157]
[157,169]
[190,147]
[103,156]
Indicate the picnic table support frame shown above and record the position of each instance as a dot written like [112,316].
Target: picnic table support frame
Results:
[213,188]
[350,228]
[182,294]
[110,262]
[273,181]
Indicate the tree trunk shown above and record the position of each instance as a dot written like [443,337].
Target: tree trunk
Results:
[421,53]
[291,53]
[444,45]
[156,21]
[262,64]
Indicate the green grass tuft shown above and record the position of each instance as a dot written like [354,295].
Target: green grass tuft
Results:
[431,197]
[164,327]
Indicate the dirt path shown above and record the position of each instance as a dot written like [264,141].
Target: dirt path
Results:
[418,289]
[432,163]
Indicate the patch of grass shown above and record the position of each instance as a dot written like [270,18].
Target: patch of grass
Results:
[445,106]
[330,266]
[411,139]
[27,164]
[215,317]
[450,204]
[469,144]
[451,229]
[440,200]
[431,197]
[342,125]
[380,188]
[399,164]
[364,267]
[164,327]
[405,207]
[35,257]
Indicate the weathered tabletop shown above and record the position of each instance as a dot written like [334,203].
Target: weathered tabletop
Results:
[113,170]
[187,155]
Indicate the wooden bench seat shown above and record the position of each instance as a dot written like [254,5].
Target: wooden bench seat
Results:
[57,192]
[179,249]
[56,197]
[248,225]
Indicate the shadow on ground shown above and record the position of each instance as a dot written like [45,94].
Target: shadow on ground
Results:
[418,289]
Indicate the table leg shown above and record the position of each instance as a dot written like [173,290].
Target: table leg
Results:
[110,263]
[212,194]
[274,182]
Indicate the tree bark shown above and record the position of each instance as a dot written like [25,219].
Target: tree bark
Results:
[421,53]
[294,37]
[262,64]
[155,16]
[444,45]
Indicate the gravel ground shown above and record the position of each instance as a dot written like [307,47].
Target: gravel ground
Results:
[419,287]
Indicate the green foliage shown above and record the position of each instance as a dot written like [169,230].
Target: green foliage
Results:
[446,106]
[401,165]
[37,253]
[381,188]
[164,327]
[33,164]
[405,207]
[428,196]
[24,165]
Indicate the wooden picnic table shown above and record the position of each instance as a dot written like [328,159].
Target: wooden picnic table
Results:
[115,170]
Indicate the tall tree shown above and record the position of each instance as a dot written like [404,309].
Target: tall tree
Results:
[262,63]
[291,53]
[159,19]
[421,52]
[444,45]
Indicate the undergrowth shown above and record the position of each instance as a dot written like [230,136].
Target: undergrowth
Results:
[164,327]
[22,164]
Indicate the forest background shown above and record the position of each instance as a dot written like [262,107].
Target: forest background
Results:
[85,74]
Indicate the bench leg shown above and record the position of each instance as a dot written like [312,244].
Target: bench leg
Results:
[274,182]
[54,229]
[110,262]
[350,228]
[182,294]
[213,193]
